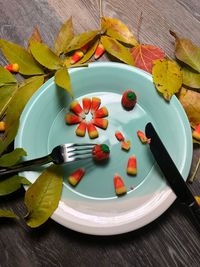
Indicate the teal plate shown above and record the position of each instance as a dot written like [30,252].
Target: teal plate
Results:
[92,206]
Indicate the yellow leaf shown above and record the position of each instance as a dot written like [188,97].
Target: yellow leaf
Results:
[8,214]
[191,78]
[167,77]
[117,30]
[62,79]
[117,50]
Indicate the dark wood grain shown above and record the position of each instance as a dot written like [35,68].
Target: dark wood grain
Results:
[171,240]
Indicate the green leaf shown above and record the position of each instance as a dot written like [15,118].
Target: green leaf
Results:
[16,106]
[6,77]
[167,77]
[117,50]
[80,40]
[117,30]
[6,94]
[8,214]
[62,79]
[190,78]
[42,197]
[43,54]
[64,37]
[187,52]
[12,184]
[17,54]
[12,158]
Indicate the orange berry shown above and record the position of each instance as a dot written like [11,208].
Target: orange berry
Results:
[2,126]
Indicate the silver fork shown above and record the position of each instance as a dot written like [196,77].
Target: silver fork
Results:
[61,154]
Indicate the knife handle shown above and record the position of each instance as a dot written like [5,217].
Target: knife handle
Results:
[195,211]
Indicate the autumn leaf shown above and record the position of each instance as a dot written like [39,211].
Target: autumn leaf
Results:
[62,79]
[6,94]
[17,54]
[187,52]
[64,37]
[117,50]
[190,100]
[117,30]
[43,54]
[80,40]
[6,78]
[12,184]
[12,158]
[167,77]
[42,197]
[144,55]
[191,78]
[8,214]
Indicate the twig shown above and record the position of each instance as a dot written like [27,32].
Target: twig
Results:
[192,178]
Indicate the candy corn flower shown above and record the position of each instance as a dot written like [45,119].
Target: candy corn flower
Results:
[79,113]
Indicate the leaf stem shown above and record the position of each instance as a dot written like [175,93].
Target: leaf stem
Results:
[192,178]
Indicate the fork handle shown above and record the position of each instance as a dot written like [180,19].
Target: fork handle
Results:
[23,166]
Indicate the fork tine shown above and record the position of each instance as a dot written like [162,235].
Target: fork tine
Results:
[74,154]
[79,149]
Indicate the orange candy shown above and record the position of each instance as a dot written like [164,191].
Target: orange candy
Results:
[196,132]
[119,185]
[119,136]
[92,131]
[100,122]
[76,176]
[86,104]
[72,119]
[126,145]
[76,57]
[132,165]
[143,137]
[95,104]
[81,129]
[76,108]
[2,126]
[99,51]
[101,113]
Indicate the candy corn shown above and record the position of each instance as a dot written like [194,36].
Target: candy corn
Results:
[92,131]
[119,136]
[76,176]
[81,129]
[84,48]
[143,137]
[95,104]
[196,132]
[12,67]
[76,108]
[2,126]
[120,188]
[100,122]
[197,198]
[99,51]
[76,57]
[72,119]
[101,152]
[126,145]
[132,165]
[100,113]
[86,104]
[129,99]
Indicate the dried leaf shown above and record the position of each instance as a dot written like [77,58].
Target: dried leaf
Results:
[190,100]
[42,197]
[36,36]
[43,54]
[167,77]
[12,158]
[144,55]
[187,52]
[64,37]
[12,184]
[16,106]
[190,78]
[117,30]
[6,94]
[17,54]
[8,214]
[6,78]
[62,79]
[80,40]
[117,50]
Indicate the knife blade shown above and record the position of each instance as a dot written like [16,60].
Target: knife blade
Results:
[171,172]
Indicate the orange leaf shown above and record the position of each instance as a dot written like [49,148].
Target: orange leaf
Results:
[144,55]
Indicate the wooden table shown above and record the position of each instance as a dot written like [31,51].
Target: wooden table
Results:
[172,239]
